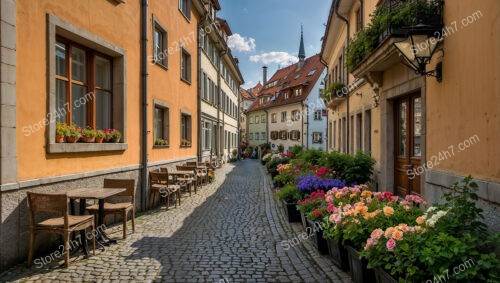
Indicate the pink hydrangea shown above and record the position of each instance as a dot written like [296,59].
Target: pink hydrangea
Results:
[391,244]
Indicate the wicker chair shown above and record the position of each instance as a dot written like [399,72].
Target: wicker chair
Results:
[64,224]
[122,208]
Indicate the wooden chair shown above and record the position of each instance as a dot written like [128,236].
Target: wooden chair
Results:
[64,224]
[194,163]
[160,183]
[121,208]
[188,181]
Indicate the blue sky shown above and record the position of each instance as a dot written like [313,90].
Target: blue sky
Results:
[267,32]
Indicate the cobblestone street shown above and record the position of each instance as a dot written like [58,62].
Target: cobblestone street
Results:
[230,231]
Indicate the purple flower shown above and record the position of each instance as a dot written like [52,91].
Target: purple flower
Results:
[311,182]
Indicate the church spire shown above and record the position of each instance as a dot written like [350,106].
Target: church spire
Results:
[302,51]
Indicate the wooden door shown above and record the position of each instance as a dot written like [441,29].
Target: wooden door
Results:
[407,144]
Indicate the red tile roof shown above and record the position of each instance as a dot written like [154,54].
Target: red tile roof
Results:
[245,94]
[288,80]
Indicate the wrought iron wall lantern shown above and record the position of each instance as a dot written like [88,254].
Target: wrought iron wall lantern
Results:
[419,46]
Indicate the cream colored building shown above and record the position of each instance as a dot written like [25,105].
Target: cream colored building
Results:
[220,79]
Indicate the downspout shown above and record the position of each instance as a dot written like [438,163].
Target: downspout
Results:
[267,126]
[306,135]
[347,76]
[327,137]
[200,127]
[144,100]
[222,53]
[239,123]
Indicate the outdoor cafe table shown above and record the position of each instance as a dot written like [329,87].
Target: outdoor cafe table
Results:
[99,194]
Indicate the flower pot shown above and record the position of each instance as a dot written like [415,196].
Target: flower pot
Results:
[382,276]
[88,139]
[304,221]
[72,139]
[99,140]
[318,240]
[115,140]
[60,139]
[359,270]
[291,212]
[338,253]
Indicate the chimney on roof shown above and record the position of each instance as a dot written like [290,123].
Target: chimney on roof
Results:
[264,75]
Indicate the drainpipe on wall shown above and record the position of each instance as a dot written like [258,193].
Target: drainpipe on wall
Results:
[347,77]
[327,137]
[219,83]
[307,134]
[200,77]
[144,102]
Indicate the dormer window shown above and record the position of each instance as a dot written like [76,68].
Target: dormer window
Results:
[298,92]
[311,72]
[286,95]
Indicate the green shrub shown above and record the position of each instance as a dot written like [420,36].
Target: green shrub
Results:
[296,150]
[289,194]
[353,169]
[312,156]
[281,148]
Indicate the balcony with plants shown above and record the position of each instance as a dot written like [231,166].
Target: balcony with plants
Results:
[372,49]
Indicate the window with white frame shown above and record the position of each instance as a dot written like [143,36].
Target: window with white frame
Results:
[160,43]
[207,135]
[263,118]
[273,118]
[317,137]
[296,115]
[257,119]
[283,135]
[257,136]
[294,135]
[318,115]
[283,116]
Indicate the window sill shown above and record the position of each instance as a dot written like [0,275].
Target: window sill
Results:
[185,146]
[160,146]
[163,66]
[186,81]
[85,147]
[186,17]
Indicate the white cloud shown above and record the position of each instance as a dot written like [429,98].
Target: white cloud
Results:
[281,58]
[240,43]
[249,84]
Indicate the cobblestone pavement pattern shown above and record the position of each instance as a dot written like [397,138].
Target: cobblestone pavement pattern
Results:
[230,231]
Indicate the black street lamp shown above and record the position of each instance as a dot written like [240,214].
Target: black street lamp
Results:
[417,48]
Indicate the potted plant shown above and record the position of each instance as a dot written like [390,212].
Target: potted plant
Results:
[161,142]
[211,177]
[112,135]
[88,135]
[289,195]
[185,143]
[305,206]
[314,220]
[446,236]
[100,136]
[61,132]
[73,134]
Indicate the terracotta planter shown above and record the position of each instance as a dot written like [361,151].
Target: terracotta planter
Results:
[291,212]
[359,270]
[88,139]
[60,139]
[72,139]
[318,240]
[382,276]
[338,253]
[98,140]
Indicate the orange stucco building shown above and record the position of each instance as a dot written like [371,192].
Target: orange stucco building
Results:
[126,65]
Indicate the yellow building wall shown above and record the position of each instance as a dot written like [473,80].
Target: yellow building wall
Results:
[167,86]
[467,102]
[117,24]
